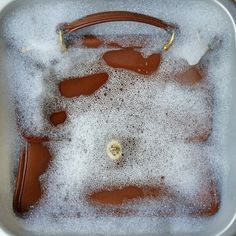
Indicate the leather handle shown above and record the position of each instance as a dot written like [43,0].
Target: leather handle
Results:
[112,16]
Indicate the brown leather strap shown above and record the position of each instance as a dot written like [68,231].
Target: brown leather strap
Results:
[34,161]
[112,16]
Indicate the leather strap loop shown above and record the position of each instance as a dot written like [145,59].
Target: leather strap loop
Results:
[112,16]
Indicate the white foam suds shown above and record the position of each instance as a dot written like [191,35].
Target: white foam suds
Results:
[151,116]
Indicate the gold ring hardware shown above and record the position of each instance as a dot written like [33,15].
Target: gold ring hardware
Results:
[62,43]
[167,46]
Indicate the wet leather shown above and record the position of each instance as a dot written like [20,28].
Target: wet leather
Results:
[34,161]
[87,85]
[130,59]
[35,157]
[58,117]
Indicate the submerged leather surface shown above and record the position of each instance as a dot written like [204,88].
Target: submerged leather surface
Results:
[34,161]
[35,157]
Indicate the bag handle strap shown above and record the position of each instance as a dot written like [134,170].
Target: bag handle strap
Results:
[112,16]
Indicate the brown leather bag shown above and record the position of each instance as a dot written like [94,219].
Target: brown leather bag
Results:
[35,156]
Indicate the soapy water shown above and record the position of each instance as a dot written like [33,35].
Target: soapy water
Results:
[157,113]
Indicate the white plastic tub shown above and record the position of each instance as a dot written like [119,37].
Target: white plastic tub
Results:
[223,224]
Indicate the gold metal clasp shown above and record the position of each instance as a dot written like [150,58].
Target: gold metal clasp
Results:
[114,150]
[62,43]
[170,42]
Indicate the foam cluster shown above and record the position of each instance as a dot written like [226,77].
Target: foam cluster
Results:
[153,117]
